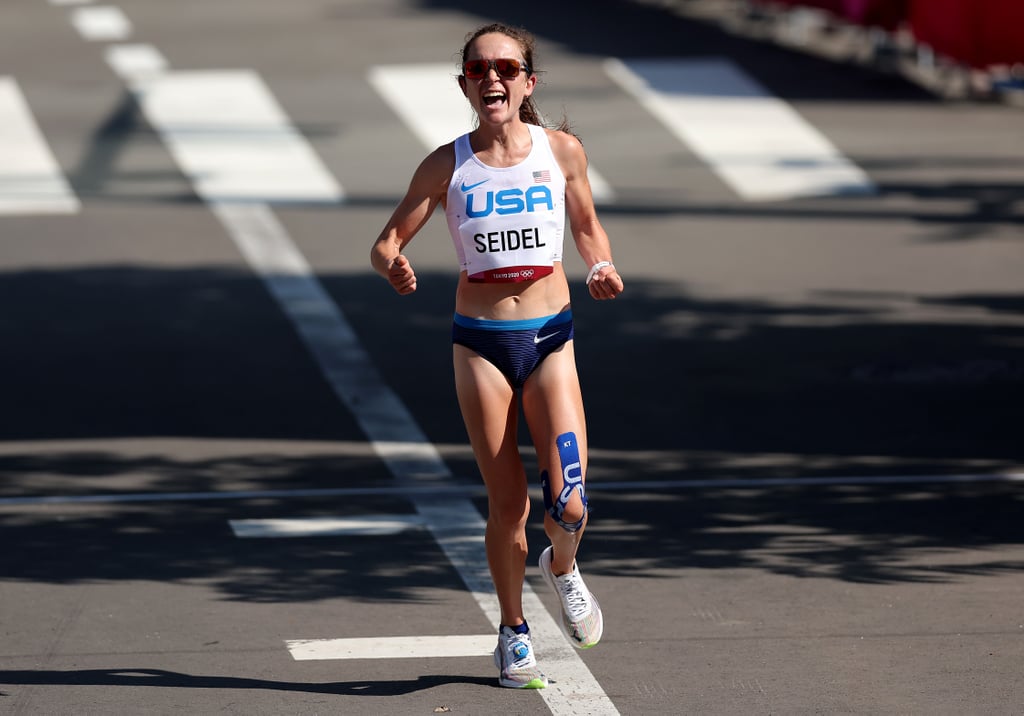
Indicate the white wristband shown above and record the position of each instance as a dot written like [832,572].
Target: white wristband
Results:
[597,267]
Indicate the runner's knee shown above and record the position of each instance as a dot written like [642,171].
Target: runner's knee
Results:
[511,512]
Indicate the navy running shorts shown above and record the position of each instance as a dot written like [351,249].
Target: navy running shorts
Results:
[516,348]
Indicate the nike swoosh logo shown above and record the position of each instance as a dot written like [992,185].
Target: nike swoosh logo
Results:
[538,339]
[472,186]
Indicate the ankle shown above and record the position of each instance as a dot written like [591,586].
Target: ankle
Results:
[521,628]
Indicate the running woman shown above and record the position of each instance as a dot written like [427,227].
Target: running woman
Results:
[506,188]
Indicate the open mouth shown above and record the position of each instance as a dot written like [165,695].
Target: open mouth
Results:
[493,98]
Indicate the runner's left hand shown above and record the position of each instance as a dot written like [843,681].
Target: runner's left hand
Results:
[606,285]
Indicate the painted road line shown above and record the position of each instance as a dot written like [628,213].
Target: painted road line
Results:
[332,341]
[404,647]
[440,491]
[368,526]
[232,139]
[135,62]
[755,142]
[428,99]
[229,495]
[31,181]
[101,23]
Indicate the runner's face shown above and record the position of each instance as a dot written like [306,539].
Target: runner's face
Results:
[495,98]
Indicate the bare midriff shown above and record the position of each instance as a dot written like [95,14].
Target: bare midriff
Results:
[513,301]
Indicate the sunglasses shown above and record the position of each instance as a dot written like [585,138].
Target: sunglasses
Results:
[507,69]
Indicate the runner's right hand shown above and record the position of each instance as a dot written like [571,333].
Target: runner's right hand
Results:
[401,276]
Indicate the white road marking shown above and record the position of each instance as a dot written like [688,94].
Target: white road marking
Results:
[441,491]
[232,139]
[101,23]
[755,142]
[135,62]
[428,99]
[368,526]
[31,181]
[404,647]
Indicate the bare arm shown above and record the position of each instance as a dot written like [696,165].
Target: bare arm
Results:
[428,186]
[590,237]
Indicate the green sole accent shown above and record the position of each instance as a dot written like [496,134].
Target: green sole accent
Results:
[539,682]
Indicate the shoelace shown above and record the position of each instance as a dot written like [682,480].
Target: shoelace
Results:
[574,596]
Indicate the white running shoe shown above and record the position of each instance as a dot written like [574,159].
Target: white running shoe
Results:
[517,666]
[581,619]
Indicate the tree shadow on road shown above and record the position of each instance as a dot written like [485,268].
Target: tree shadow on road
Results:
[676,386]
[160,678]
[854,534]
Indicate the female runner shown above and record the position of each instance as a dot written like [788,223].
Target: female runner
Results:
[506,188]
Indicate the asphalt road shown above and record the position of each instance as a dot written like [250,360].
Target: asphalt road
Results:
[804,412]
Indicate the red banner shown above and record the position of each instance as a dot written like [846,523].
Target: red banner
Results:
[979,33]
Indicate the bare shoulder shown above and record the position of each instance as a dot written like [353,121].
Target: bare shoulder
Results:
[436,169]
[441,161]
[569,153]
[565,145]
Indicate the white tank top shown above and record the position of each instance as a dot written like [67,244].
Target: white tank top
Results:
[507,223]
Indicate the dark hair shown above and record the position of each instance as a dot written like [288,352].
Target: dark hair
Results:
[528,111]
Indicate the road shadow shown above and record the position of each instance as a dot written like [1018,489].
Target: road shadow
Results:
[676,386]
[159,678]
[133,352]
[854,534]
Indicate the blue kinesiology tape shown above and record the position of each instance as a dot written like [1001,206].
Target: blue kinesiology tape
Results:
[572,481]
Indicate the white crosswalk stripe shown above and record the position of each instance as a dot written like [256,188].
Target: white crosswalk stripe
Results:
[405,647]
[710,105]
[370,525]
[135,62]
[231,137]
[31,181]
[754,141]
[102,23]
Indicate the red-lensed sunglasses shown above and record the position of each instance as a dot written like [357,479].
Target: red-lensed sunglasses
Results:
[507,69]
